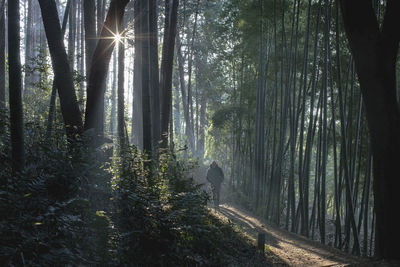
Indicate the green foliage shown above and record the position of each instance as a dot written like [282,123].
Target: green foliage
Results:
[164,221]
[157,214]
[227,115]
[70,207]
[47,216]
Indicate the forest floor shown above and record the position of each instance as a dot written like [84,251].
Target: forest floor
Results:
[288,249]
[283,248]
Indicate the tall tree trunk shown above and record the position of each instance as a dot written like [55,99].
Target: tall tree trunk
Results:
[275,112]
[196,97]
[190,65]
[63,76]
[375,54]
[72,34]
[171,7]
[137,120]
[121,96]
[100,13]
[2,57]
[154,75]
[203,110]
[284,101]
[325,83]
[177,104]
[171,132]
[337,181]
[366,193]
[99,16]
[38,32]
[94,116]
[259,142]
[89,10]
[304,79]
[145,77]
[186,115]
[15,86]
[81,26]
[113,97]
[305,171]
[295,114]
[52,106]
[28,43]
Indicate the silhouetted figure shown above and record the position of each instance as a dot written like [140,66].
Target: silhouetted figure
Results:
[215,176]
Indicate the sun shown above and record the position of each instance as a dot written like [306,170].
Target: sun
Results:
[114,37]
[117,38]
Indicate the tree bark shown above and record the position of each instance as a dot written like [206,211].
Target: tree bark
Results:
[52,106]
[81,59]
[99,15]
[190,64]
[171,7]
[28,43]
[94,116]
[89,10]
[259,142]
[203,120]
[186,115]
[113,96]
[15,87]
[154,75]
[145,78]
[375,55]
[325,82]
[137,122]
[2,57]
[62,71]
[121,97]
[177,104]
[72,34]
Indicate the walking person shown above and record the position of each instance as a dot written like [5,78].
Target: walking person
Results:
[215,176]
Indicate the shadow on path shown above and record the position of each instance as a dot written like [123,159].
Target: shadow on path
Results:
[252,230]
[289,249]
[248,226]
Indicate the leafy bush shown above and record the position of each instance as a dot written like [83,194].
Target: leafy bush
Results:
[164,221]
[47,216]
[72,205]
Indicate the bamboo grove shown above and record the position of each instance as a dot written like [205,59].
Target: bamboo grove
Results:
[293,132]
[269,89]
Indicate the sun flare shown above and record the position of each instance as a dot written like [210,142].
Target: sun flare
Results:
[117,38]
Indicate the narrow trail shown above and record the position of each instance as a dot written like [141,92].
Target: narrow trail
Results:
[289,249]
[286,248]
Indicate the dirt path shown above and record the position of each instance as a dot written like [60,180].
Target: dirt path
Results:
[288,249]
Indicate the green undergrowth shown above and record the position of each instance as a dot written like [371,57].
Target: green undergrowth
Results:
[75,206]
[164,221]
